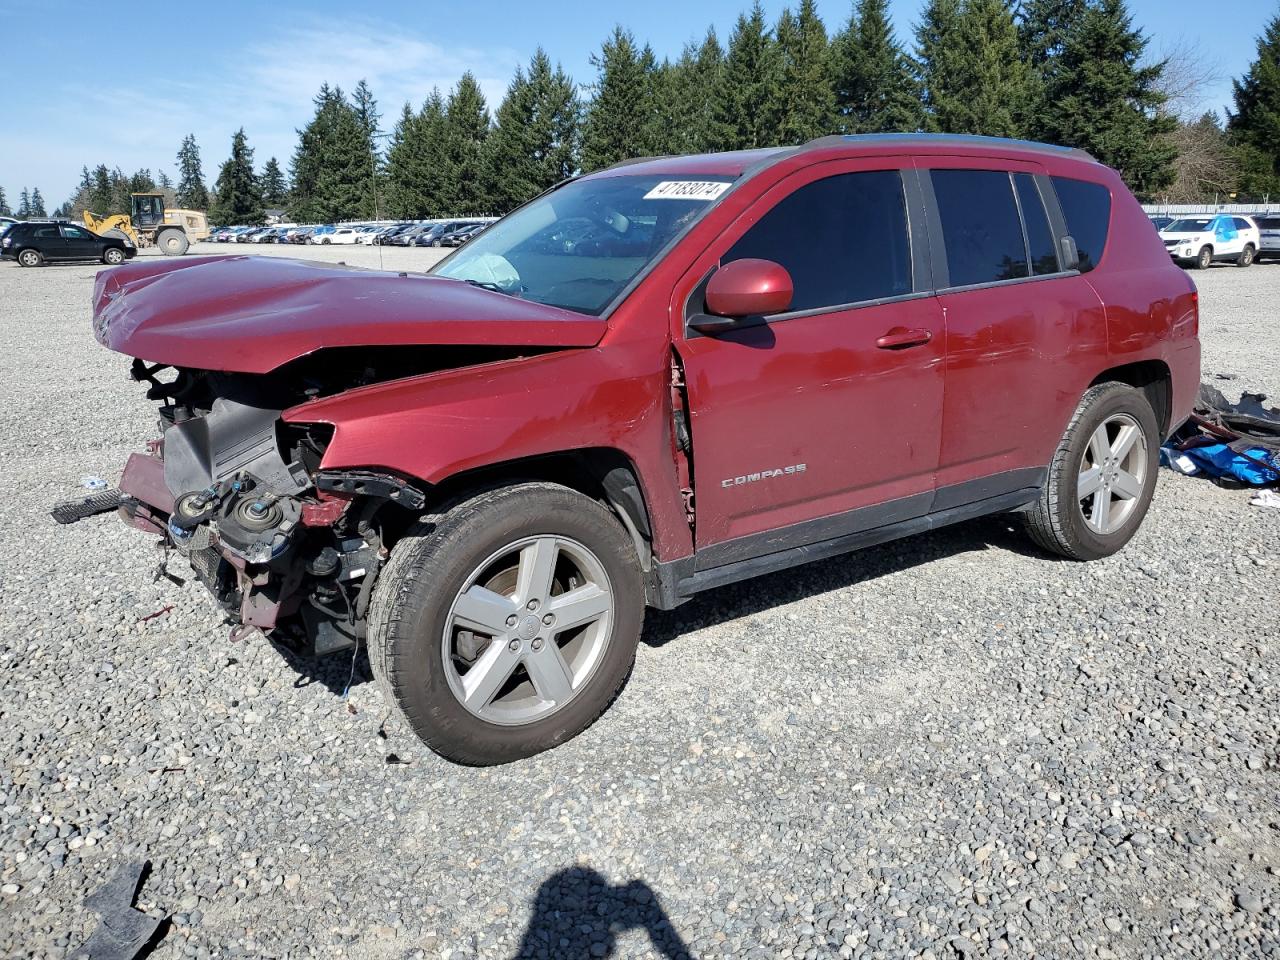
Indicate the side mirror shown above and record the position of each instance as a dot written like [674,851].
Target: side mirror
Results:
[744,288]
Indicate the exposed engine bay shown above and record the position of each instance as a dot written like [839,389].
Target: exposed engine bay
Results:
[283,545]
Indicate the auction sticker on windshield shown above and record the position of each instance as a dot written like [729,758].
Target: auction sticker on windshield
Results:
[687,190]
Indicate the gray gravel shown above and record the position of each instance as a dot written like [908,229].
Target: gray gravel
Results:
[945,747]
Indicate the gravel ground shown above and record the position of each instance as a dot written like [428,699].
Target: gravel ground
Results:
[949,746]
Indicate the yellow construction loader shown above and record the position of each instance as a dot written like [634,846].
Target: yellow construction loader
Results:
[152,225]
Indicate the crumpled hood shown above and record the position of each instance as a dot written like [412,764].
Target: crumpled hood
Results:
[252,314]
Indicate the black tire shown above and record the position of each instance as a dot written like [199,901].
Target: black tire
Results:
[1246,256]
[113,256]
[325,241]
[173,243]
[30,258]
[428,568]
[1203,258]
[1056,521]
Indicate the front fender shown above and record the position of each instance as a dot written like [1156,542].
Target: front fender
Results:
[439,425]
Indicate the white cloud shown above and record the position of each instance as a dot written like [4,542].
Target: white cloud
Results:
[267,88]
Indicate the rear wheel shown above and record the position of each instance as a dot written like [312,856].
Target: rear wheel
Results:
[173,242]
[508,625]
[1102,476]
[112,256]
[30,258]
[1246,256]
[1203,258]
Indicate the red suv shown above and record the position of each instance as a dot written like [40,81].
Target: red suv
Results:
[646,383]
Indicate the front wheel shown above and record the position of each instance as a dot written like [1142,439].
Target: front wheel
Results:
[173,242]
[1203,259]
[508,624]
[1246,256]
[113,256]
[1102,477]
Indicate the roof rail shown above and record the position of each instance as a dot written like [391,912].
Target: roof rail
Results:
[940,139]
[627,163]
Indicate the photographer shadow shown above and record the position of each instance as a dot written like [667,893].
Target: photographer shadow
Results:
[578,915]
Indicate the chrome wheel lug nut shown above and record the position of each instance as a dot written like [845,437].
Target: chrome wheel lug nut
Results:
[514,646]
[537,644]
[512,620]
[532,604]
[548,619]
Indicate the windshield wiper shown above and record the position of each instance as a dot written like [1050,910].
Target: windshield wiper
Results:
[485,285]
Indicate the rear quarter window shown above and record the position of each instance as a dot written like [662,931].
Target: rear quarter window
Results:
[1087,209]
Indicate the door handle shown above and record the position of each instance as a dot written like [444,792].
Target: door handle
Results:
[900,338]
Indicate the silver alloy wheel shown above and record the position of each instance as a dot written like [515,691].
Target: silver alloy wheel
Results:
[28,258]
[527,630]
[113,256]
[1113,472]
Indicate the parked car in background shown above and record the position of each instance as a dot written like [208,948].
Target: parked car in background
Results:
[1160,222]
[33,242]
[718,377]
[301,235]
[432,233]
[322,234]
[1200,240]
[462,235]
[395,231]
[408,237]
[1268,235]
[6,223]
[341,235]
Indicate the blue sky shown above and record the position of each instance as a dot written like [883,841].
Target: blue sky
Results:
[91,83]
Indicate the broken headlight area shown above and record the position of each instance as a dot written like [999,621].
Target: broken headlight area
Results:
[280,544]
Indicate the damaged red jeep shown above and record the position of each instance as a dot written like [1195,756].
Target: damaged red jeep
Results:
[649,382]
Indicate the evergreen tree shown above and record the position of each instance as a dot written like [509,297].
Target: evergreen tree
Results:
[4,205]
[746,106]
[344,189]
[532,146]
[1254,125]
[806,102]
[617,125]
[121,193]
[192,192]
[1101,97]
[309,157]
[236,195]
[163,181]
[435,184]
[274,190]
[1043,26]
[875,90]
[406,170]
[99,197]
[142,182]
[37,204]
[690,87]
[466,128]
[937,60]
[24,204]
[974,78]
[366,108]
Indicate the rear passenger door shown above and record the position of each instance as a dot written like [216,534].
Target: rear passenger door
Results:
[1020,325]
[823,420]
[48,240]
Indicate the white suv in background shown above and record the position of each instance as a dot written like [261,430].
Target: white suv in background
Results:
[1268,234]
[1200,240]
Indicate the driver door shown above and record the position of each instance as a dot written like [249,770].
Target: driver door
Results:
[824,420]
[78,243]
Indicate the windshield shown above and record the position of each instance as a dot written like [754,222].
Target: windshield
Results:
[580,246]
[1189,225]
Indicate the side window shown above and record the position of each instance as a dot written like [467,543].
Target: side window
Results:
[980,226]
[1044,259]
[843,240]
[47,233]
[1087,209]
[1241,223]
[74,233]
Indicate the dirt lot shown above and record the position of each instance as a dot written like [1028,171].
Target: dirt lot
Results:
[948,746]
